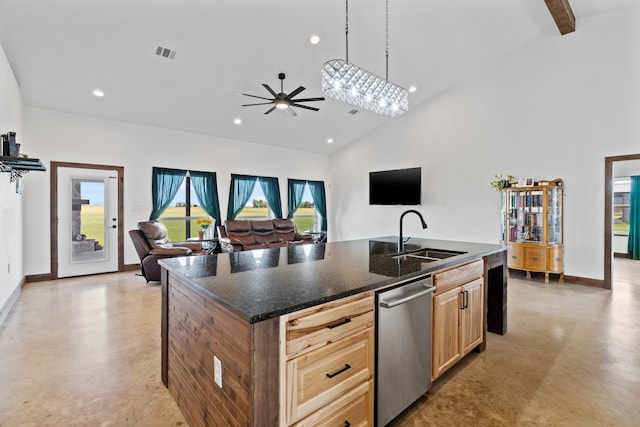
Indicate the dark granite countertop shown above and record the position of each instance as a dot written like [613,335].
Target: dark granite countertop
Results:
[265,283]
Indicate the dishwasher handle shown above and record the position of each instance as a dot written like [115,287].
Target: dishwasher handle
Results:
[393,303]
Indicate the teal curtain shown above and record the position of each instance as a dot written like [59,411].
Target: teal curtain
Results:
[319,200]
[239,193]
[295,193]
[164,186]
[633,248]
[206,188]
[271,190]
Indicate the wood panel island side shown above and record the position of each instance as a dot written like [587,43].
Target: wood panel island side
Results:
[286,336]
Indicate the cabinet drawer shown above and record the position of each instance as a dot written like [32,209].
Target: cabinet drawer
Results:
[515,257]
[535,258]
[308,329]
[555,259]
[354,408]
[316,378]
[448,279]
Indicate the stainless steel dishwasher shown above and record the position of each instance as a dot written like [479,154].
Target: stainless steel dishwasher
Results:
[403,347]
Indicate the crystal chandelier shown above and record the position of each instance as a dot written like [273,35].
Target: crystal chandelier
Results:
[347,82]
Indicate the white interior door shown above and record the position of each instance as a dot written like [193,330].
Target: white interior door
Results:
[87,221]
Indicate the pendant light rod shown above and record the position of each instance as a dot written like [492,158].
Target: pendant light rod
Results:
[387,46]
[346,29]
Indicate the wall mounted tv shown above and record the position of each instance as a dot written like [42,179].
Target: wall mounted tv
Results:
[395,187]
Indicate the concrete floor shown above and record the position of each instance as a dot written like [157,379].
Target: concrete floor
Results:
[86,351]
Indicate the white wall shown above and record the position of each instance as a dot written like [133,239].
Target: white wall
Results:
[56,136]
[553,109]
[11,265]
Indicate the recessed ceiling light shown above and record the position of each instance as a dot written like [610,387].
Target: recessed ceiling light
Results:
[98,93]
[237,121]
[315,39]
[330,141]
[413,89]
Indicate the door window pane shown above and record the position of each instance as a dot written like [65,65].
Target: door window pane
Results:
[87,220]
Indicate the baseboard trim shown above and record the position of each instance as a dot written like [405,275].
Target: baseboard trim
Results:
[38,278]
[584,281]
[11,302]
[620,255]
[131,267]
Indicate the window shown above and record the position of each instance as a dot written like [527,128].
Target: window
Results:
[182,213]
[181,197]
[307,204]
[621,205]
[257,206]
[307,217]
[254,197]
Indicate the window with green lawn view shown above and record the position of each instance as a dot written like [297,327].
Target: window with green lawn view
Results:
[256,207]
[621,205]
[182,214]
[306,217]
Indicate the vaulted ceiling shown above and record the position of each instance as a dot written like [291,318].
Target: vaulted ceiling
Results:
[61,50]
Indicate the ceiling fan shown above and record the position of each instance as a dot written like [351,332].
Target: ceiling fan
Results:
[282,100]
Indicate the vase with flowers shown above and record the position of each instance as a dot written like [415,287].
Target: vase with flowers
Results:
[203,224]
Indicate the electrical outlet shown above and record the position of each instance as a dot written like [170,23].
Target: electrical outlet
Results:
[217,371]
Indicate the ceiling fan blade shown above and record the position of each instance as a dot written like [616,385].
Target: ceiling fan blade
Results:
[293,104]
[295,92]
[270,109]
[307,99]
[266,86]
[259,103]
[256,96]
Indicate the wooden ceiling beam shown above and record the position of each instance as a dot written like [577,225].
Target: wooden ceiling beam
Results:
[562,14]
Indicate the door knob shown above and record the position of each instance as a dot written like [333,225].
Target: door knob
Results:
[114,226]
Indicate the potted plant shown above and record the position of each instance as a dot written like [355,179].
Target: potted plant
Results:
[501,181]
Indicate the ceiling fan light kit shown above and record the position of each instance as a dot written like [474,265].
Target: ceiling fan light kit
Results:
[281,100]
[354,85]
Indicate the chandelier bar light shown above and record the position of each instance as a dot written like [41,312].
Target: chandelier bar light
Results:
[354,85]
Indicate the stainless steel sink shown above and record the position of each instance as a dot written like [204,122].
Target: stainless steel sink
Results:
[428,254]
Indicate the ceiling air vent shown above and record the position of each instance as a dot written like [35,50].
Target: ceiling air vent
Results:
[354,112]
[165,53]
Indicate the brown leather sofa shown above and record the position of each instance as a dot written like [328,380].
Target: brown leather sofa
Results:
[242,235]
[152,244]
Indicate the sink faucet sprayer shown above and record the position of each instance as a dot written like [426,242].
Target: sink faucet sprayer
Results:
[401,239]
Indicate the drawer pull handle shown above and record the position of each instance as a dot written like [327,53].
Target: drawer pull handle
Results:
[558,259]
[347,424]
[346,366]
[514,257]
[335,325]
[535,258]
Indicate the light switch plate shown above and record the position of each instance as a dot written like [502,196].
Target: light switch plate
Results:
[217,371]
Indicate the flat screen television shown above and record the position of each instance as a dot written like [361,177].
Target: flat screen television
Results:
[395,187]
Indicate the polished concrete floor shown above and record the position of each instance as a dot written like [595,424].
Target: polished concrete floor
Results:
[86,352]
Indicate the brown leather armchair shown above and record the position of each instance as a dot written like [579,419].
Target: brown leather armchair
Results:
[152,244]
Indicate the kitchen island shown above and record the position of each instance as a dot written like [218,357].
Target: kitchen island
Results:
[224,318]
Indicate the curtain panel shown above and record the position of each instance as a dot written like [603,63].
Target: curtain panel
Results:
[271,189]
[165,183]
[633,247]
[295,193]
[239,193]
[205,186]
[319,200]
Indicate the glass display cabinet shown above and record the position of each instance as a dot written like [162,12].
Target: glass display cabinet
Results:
[532,227]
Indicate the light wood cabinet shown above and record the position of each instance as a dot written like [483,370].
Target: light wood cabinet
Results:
[533,227]
[458,315]
[327,361]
